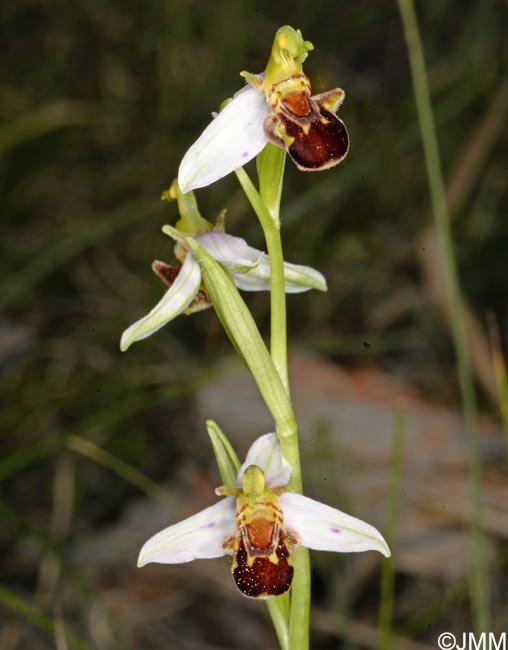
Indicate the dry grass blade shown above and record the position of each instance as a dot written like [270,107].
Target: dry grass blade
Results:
[461,182]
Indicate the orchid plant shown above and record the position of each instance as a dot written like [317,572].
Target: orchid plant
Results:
[263,522]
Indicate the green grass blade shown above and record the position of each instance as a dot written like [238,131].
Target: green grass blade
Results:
[480,595]
[28,612]
[392,507]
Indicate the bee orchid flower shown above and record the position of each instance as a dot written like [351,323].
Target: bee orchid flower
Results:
[249,269]
[277,106]
[260,523]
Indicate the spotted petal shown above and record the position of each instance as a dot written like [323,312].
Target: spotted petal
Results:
[233,138]
[326,529]
[199,536]
[176,299]
[266,453]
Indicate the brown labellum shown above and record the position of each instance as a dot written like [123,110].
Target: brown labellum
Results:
[265,577]
[306,126]
[261,549]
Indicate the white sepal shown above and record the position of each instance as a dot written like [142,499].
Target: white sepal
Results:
[297,278]
[327,529]
[199,536]
[176,299]
[250,267]
[233,138]
[232,252]
[266,453]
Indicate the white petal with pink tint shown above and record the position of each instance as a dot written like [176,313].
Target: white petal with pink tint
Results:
[199,536]
[233,138]
[327,529]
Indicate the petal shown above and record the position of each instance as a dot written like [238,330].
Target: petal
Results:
[230,251]
[326,529]
[234,137]
[176,299]
[297,278]
[199,536]
[300,278]
[266,453]
[250,267]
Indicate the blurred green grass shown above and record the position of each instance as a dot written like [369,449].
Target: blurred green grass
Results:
[98,102]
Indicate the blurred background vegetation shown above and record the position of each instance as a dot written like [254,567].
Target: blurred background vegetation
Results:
[98,102]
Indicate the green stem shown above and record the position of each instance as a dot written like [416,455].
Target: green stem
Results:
[299,618]
[270,168]
[266,205]
[479,578]
[271,229]
[288,435]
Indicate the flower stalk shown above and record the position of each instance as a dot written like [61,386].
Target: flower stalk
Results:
[271,230]
[266,204]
